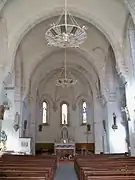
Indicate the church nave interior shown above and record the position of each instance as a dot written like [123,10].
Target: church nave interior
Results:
[67,72]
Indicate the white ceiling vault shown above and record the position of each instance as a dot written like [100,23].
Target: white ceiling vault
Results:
[24,17]
[2,3]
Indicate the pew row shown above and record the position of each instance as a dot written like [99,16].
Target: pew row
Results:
[27,167]
[103,167]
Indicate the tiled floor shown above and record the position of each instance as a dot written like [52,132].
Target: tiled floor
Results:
[65,171]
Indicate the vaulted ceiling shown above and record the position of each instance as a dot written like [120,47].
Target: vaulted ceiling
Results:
[24,17]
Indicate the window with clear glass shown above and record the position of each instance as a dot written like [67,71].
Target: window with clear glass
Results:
[45,113]
[64,113]
[84,112]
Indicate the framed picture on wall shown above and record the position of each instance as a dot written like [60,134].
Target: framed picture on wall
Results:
[25,145]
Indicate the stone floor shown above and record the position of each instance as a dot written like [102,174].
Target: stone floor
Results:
[65,171]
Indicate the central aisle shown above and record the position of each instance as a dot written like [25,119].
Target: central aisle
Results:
[65,171]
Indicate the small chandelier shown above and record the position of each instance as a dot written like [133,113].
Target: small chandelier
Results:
[66,32]
[65,81]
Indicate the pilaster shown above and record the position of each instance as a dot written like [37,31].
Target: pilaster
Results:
[1,90]
[18,90]
[32,121]
[98,127]
[130,97]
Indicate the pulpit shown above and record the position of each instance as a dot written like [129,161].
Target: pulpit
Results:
[66,144]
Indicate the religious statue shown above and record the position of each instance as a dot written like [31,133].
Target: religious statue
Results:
[64,133]
[3,139]
[2,110]
[65,143]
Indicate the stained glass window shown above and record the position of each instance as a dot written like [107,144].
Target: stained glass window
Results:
[64,113]
[45,112]
[84,112]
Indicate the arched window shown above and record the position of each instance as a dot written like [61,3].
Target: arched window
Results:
[64,113]
[45,111]
[84,112]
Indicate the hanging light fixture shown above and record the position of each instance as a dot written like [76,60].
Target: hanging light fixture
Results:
[66,32]
[65,81]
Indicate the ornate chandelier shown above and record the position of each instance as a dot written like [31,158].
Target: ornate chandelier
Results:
[66,32]
[65,81]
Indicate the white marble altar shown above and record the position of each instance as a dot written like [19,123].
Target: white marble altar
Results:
[64,147]
[66,143]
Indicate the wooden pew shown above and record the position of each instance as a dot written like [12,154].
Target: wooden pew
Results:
[103,167]
[27,167]
[25,178]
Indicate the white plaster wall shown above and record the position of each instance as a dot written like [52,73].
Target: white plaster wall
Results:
[3,42]
[116,138]
[8,123]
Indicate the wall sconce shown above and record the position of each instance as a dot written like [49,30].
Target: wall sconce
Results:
[2,110]
[114,126]
[6,102]
[25,124]
[88,127]
[17,120]
[16,127]
[40,126]
[104,125]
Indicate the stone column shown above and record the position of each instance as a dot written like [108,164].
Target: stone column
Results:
[132,143]
[18,89]
[98,127]
[105,127]
[105,143]
[1,91]
[1,104]
[130,96]
[3,56]
[32,121]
